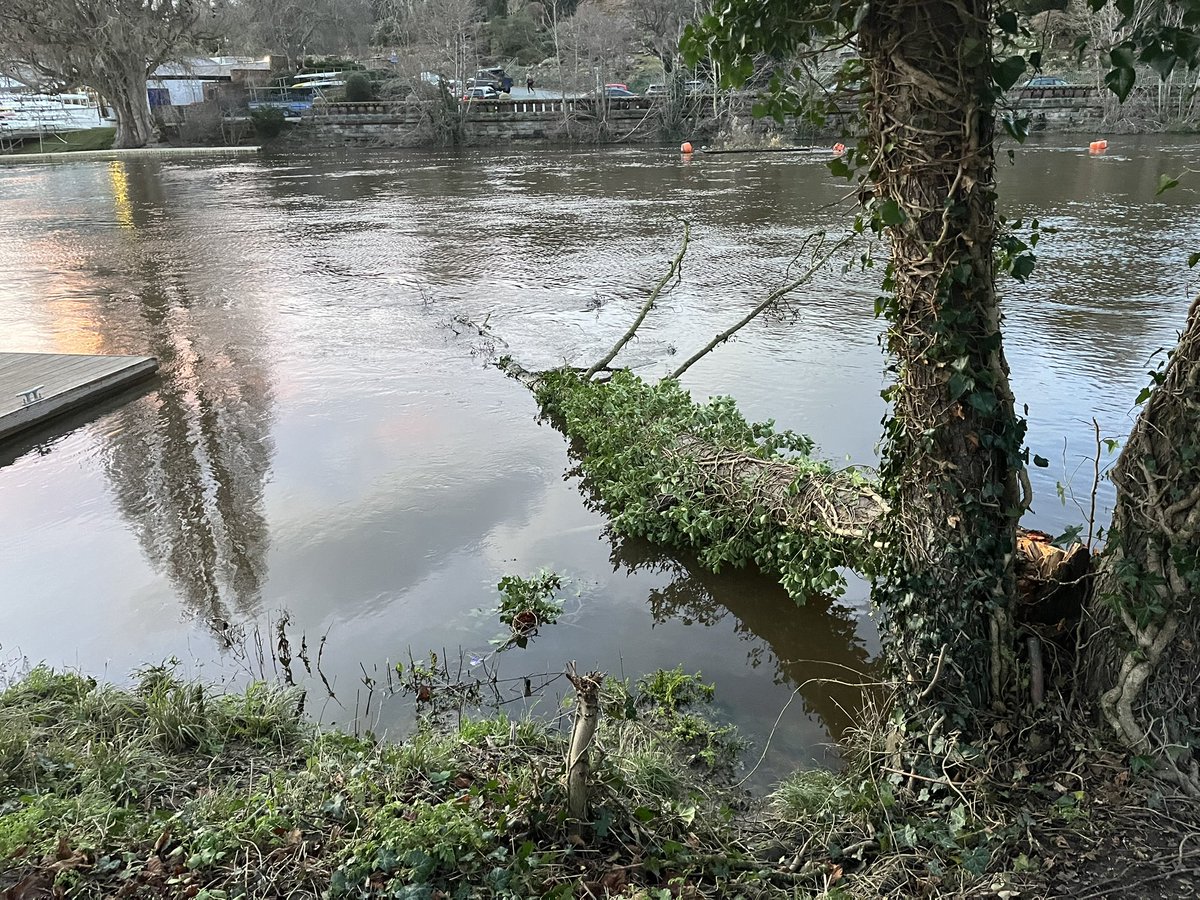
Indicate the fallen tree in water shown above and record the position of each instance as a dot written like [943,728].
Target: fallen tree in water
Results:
[698,475]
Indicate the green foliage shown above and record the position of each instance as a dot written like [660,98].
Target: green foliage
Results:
[152,803]
[268,122]
[625,430]
[358,89]
[526,603]
[672,688]
[1161,37]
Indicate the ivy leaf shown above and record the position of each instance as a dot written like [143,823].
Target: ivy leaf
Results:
[1007,72]
[1017,128]
[839,168]
[1193,259]
[1165,183]
[1161,61]
[890,213]
[973,52]
[1069,536]
[1040,461]
[1120,81]
[959,384]
[1007,22]
[1122,55]
[1022,266]
[1187,44]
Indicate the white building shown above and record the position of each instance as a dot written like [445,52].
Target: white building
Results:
[188,81]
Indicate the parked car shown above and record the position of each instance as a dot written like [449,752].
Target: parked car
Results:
[616,92]
[481,92]
[697,86]
[1046,81]
[494,77]
[656,90]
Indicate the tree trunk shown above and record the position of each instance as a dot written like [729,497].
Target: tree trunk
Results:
[135,126]
[587,718]
[1144,624]
[952,449]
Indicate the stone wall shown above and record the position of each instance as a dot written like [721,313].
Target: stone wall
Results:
[407,123]
[487,121]
[1061,108]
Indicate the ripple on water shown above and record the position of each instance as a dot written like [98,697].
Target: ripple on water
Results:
[321,441]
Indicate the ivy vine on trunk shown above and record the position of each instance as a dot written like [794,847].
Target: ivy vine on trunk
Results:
[1144,627]
[953,442]
[929,75]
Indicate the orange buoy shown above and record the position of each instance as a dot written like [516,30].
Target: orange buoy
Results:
[685,147]
[839,149]
[1098,146]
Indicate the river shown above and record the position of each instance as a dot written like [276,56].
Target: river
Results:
[328,440]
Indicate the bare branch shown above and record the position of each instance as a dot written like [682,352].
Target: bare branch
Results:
[819,260]
[646,307]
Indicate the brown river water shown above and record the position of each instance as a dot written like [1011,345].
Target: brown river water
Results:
[328,440]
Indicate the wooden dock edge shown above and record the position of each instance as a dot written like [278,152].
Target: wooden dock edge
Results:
[36,414]
[13,159]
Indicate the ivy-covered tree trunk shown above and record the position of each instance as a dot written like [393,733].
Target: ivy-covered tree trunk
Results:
[953,442]
[1144,627]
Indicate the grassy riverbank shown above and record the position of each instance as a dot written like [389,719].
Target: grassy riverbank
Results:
[171,789]
[71,141]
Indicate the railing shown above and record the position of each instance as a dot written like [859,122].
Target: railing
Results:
[516,107]
[1057,92]
[409,111]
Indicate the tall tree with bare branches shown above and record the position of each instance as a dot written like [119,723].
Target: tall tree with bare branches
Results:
[108,45]
[659,25]
[298,28]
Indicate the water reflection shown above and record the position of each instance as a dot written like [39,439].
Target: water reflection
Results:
[800,645]
[189,463]
[315,419]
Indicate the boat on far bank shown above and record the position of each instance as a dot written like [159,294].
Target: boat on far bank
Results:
[31,115]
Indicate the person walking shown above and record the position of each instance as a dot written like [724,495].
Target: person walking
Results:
[529,82]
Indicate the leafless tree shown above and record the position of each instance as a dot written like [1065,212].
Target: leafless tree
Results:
[659,25]
[435,35]
[108,45]
[597,37]
[297,28]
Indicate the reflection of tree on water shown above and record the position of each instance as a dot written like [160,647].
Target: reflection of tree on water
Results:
[816,640]
[188,462]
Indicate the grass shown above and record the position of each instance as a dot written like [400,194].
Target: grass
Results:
[172,789]
[88,139]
